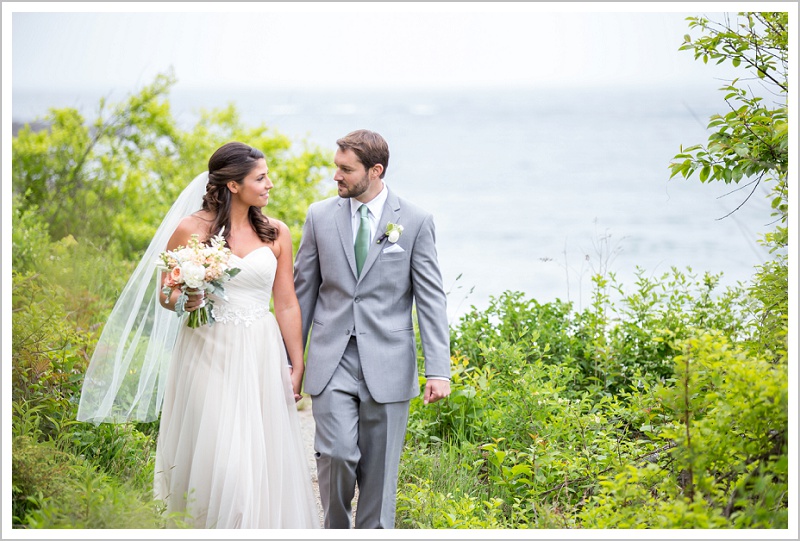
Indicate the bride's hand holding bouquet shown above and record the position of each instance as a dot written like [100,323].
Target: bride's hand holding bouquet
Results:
[196,269]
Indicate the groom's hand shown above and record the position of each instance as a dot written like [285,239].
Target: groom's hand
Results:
[435,390]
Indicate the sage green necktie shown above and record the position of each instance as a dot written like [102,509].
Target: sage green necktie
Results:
[362,239]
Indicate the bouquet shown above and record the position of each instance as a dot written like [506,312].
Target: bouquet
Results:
[197,266]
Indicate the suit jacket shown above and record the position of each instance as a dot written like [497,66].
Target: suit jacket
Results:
[377,306]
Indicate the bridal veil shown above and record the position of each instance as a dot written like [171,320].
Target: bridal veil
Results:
[126,375]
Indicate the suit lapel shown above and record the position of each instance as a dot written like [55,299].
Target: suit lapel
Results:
[391,213]
[344,225]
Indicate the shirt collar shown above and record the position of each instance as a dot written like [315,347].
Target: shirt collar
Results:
[375,206]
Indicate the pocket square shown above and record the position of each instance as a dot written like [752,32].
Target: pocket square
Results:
[393,249]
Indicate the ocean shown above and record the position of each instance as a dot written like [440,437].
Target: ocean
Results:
[532,189]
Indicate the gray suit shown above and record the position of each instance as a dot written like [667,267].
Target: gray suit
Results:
[361,368]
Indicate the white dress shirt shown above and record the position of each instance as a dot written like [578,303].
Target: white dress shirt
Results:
[375,210]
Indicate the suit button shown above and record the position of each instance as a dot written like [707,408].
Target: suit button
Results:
[347,331]
[357,300]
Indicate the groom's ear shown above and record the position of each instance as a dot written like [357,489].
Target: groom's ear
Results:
[375,171]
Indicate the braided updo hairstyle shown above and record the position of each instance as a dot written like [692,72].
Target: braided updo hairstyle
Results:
[233,161]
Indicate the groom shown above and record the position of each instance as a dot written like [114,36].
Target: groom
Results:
[357,286]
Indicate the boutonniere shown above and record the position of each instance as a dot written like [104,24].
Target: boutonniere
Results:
[392,233]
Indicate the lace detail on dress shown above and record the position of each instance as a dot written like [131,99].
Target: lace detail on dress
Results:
[246,315]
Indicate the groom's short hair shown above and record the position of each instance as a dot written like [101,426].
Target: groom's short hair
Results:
[368,146]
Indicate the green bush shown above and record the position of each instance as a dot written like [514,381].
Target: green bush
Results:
[49,353]
[37,470]
[727,463]
[57,489]
[542,440]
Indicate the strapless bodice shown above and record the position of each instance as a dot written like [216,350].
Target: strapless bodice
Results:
[247,294]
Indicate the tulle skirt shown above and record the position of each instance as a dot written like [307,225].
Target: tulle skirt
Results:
[230,452]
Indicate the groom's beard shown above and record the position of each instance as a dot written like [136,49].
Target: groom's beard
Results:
[355,190]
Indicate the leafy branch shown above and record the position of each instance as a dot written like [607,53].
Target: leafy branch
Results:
[751,141]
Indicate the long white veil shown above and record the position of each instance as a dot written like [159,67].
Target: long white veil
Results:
[125,378]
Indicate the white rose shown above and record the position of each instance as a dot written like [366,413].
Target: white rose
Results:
[394,234]
[194,274]
[184,254]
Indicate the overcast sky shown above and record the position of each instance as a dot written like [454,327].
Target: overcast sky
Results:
[248,45]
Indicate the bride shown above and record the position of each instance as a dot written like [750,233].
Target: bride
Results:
[229,452]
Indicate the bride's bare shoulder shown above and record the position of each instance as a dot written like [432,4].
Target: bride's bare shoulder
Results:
[198,224]
[201,218]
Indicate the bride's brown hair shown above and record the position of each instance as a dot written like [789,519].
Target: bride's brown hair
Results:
[233,161]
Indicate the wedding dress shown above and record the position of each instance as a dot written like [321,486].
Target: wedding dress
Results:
[230,451]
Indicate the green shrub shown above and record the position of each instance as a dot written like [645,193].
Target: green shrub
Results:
[38,470]
[49,354]
[92,500]
[583,438]
[731,428]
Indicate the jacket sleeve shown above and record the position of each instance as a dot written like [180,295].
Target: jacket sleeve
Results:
[431,302]
[307,276]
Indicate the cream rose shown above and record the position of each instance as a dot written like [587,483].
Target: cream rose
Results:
[194,274]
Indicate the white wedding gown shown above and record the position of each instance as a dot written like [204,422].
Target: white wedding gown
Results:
[230,451]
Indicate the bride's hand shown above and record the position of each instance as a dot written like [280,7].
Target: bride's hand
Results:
[197,299]
[297,383]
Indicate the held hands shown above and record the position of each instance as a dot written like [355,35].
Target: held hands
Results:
[435,390]
[297,382]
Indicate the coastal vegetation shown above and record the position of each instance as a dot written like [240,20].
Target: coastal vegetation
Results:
[662,404]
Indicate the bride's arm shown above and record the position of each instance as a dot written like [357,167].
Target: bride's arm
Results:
[180,237]
[287,309]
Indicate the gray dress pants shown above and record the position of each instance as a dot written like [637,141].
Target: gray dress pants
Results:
[358,442]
